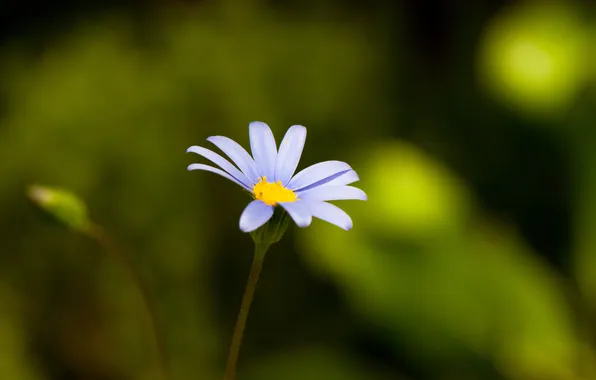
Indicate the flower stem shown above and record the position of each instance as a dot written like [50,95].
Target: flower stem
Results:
[96,233]
[249,292]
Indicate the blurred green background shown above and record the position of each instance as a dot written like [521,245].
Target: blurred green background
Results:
[471,125]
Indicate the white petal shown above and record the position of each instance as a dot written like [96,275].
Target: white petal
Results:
[290,151]
[330,213]
[299,212]
[222,163]
[255,215]
[238,155]
[344,179]
[315,173]
[341,178]
[332,193]
[264,149]
[217,171]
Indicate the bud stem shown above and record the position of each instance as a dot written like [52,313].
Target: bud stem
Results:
[251,285]
[96,233]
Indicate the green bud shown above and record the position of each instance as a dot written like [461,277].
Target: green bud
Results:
[272,231]
[63,205]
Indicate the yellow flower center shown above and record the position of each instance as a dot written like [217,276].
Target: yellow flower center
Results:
[272,193]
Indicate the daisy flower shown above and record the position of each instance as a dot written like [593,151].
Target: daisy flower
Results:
[269,177]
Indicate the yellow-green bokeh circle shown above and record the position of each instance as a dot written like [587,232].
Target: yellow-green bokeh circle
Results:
[533,57]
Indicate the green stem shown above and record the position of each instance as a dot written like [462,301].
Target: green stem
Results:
[249,292]
[96,233]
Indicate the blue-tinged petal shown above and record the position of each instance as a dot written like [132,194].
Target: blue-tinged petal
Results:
[299,212]
[344,177]
[222,163]
[238,155]
[263,147]
[315,173]
[255,215]
[332,193]
[289,153]
[330,213]
[217,171]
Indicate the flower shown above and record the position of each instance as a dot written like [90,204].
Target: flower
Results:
[270,179]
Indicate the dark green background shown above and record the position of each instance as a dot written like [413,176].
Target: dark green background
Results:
[471,125]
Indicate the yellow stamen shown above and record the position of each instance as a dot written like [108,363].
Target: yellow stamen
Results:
[272,193]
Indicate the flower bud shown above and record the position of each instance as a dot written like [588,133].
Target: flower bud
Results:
[63,205]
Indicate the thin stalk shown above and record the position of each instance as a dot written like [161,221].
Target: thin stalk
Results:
[249,292]
[96,233]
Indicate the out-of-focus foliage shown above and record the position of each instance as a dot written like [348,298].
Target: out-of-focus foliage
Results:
[585,239]
[535,57]
[443,275]
[312,363]
[16,362]
[452,282]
